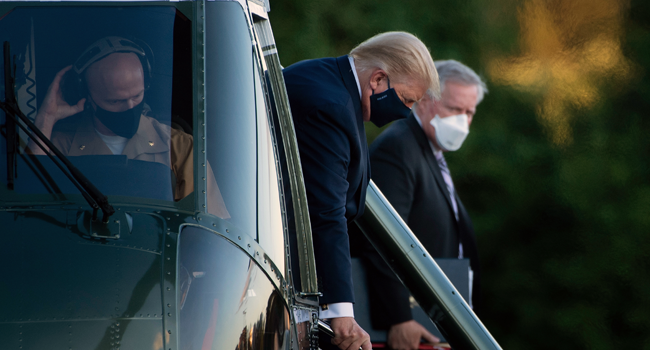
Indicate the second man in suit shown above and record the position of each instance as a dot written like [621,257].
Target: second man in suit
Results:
[410,169]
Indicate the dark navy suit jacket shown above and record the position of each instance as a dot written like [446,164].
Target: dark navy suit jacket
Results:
[407,173]
[326,109]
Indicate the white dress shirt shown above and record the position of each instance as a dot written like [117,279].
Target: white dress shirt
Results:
[115,143]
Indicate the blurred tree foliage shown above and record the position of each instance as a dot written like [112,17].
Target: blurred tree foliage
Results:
[555,171]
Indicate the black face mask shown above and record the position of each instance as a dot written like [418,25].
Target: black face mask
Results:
[124,123]
[386,107]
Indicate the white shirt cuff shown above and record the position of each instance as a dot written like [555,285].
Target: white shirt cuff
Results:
[337,310]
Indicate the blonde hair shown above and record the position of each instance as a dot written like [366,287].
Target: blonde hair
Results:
[402,56]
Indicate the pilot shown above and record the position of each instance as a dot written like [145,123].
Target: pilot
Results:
[116,119]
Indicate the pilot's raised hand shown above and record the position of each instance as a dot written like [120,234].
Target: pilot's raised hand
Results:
[348,335]
[53,109]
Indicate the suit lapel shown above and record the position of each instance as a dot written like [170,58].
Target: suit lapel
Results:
[345,69]
[430,158]
[347,76]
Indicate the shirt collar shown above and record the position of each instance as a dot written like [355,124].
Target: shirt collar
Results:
[354,71]
[437,152]
[150,138]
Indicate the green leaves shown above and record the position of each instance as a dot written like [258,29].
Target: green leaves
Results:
[556,169]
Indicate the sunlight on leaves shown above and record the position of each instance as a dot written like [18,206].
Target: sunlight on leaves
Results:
[571,55]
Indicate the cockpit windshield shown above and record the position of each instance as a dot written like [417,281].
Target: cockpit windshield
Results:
[151,104]
[111,87]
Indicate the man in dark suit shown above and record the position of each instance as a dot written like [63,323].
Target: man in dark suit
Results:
[410,169]
[330,99]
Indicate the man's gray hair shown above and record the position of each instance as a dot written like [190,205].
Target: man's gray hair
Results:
[451,70]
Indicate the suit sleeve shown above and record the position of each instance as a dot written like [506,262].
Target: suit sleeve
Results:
[325,156]
[389,299]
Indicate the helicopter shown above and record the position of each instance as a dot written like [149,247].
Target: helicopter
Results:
[178,244]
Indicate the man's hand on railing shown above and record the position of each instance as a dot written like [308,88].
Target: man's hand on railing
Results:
[348,335]
[407,336]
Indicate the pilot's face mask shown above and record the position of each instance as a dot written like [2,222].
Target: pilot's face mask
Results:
[123,123]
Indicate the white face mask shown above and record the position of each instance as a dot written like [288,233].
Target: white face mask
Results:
[451,131]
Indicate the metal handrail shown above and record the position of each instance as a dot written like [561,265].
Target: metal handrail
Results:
[433,291]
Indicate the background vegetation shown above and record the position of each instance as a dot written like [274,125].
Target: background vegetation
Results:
[555,171]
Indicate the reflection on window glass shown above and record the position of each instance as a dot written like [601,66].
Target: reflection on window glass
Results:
[226,300]
[230,112]
[270,230]
[98,83]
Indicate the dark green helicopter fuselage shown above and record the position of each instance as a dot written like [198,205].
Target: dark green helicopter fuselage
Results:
[201,270]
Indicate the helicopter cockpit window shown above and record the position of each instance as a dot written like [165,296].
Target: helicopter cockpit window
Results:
[111,88]
[230,112]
